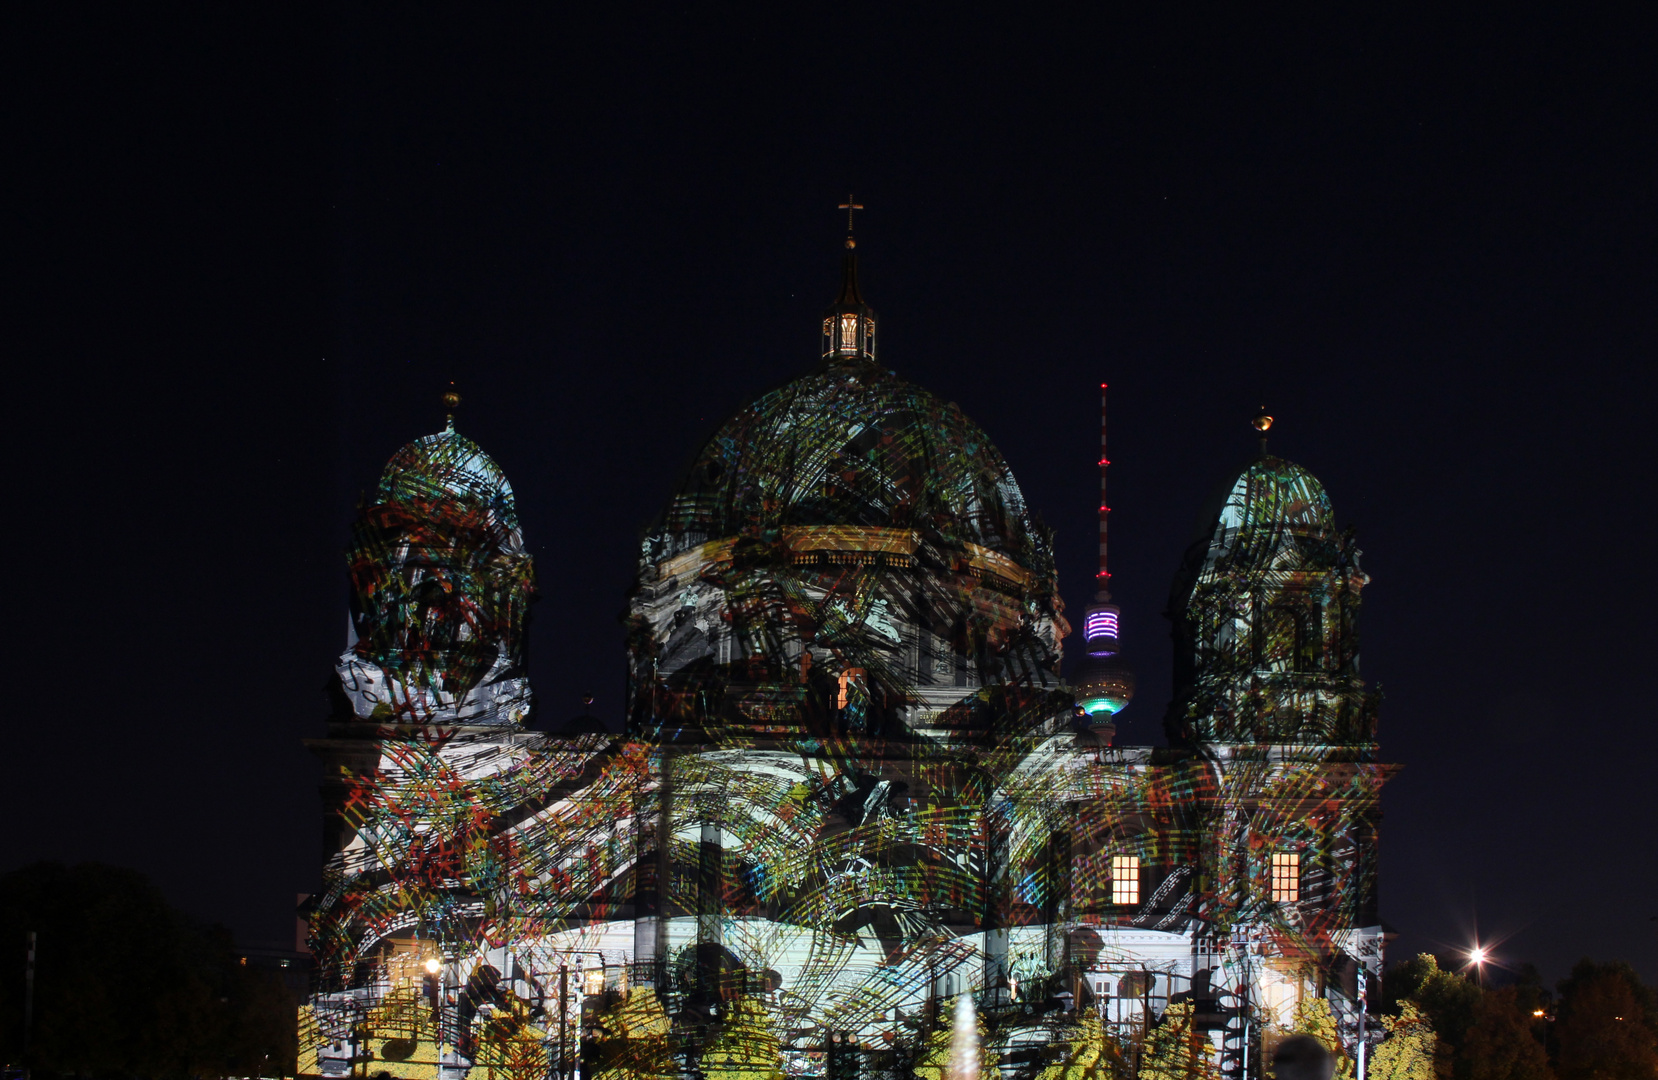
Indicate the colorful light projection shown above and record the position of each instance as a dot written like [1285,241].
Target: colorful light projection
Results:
[852,787]
[440,588]
[1265,612]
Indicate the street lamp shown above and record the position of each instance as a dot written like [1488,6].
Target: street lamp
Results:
[1477,956]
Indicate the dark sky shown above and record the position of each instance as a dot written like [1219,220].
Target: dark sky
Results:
[248,253]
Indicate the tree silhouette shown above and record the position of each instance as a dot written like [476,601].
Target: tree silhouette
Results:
[1500,1044]
[126,985]
[1605,1030]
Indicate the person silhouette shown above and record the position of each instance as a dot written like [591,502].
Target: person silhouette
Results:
[1302,1057]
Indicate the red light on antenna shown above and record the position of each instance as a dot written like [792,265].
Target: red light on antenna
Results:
[1105,461]
[1105,509]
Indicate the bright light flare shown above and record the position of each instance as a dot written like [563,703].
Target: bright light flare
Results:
[433,966]
[1477,954]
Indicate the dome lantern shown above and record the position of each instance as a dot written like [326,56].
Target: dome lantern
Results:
[849,323]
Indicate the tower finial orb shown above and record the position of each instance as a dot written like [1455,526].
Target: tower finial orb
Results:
[451,401]
[1261,423]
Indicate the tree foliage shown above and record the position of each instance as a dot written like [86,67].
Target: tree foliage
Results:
[1408,1051]
[933,1063]
[1606,1024]
[127,986]
[1176,1050]
[634,1043]
[1446,998]
[1313,1017]
[1086,1052]
[746,1047]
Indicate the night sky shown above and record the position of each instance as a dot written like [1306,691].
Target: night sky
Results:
[248,253]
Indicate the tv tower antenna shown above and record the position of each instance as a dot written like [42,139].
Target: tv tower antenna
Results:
[1104,683]
[1100,627]
[1103,578]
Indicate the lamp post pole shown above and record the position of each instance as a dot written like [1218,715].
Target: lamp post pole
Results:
[28,1000]
[563,1020]
[1363,1007]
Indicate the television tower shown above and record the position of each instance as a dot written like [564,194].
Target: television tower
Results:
[1104,682]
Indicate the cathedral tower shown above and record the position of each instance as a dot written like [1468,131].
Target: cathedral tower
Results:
[440,588]
[1265,610]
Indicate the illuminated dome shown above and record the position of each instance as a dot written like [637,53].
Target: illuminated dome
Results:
[847,554]
[1273,506]
[450,467]
[1265,611]
[441,586]
[852,444]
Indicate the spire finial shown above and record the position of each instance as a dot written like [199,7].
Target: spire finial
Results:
[1261,423]
[849,324]
[451,401]
[850,206]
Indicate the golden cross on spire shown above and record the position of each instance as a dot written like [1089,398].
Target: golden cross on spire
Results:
[850,207]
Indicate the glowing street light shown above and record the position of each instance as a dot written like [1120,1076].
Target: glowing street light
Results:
[433,966]
[1477,956]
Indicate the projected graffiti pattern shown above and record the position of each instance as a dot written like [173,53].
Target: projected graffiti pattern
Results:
[852,786]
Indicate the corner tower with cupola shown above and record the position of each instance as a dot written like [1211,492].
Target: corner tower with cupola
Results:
[1265,611]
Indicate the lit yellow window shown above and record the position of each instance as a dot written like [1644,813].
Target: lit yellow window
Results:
[1125,879]
[849,334]
[1286,877]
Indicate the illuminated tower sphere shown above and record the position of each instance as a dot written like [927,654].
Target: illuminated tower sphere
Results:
[1265,611]
[1104,686]
[848,555]
[441,585]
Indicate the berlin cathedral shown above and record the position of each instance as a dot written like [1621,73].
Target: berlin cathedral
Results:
[854,801]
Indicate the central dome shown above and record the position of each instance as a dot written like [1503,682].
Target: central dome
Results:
[854,445]
[848,557]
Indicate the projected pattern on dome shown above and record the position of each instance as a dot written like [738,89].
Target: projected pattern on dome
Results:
[440,588]
[1266,619]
